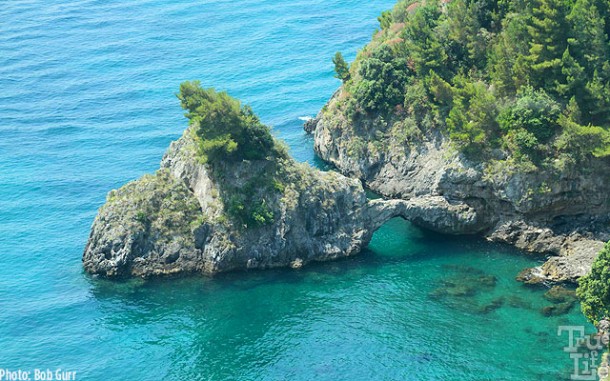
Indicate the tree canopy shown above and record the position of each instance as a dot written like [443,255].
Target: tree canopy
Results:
[594,289]
[226,130]
[528,76]
[341,67]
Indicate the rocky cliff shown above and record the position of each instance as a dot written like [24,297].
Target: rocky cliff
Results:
[176,222]
[557,212]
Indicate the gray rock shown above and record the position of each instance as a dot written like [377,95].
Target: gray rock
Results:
[573,260]
[560,212]
[174,222]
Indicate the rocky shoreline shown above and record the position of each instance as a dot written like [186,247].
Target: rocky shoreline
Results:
[564,215]
[175,222]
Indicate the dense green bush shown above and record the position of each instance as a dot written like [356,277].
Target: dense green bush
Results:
[225,129]
[594,289]
[249,212]
[381,84]
[532,111]
[493,73]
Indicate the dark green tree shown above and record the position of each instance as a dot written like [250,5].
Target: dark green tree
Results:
[596,104]
[588,40]
[385,20]
[547,30]
[225,129]
[472,119]
[382,83]
[341,67]
[422,41]
[594,289]
[573,84]
[507,67]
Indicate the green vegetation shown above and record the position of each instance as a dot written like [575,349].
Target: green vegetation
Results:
[158,204]
[531,77]
[243,157]
[341,67]
[252,203]
[594,289]
[225,129]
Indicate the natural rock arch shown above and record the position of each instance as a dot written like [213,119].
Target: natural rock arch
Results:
[432,212]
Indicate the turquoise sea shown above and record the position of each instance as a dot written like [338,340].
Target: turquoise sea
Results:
[87,104]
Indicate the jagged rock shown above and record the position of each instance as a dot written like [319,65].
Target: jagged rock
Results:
[574,257]
[434,213]
[310,125]
[564,212]
[175,221]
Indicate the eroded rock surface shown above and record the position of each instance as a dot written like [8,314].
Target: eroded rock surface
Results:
[564,213]
[176,222]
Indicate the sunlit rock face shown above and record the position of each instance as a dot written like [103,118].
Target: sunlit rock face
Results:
[566,213]
[175,221]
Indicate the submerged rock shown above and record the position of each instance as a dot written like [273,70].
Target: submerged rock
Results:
[558,309]
[491,306]
[465,282]
[558,294]
[453,290]
[563,301]
[463,269]
[518,302]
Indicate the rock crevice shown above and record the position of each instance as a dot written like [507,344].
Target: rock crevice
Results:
[563,212]
[176,221]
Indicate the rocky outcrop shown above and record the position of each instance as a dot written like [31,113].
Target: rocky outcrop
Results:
[564,212]
[176,221]
[572,257]
[434,213]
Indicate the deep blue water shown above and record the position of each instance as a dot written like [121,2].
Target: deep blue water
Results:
[87,103]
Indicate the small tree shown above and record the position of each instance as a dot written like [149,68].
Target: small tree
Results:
[341,67]
[534,111]
[226,130]
[594,289]
[385,20]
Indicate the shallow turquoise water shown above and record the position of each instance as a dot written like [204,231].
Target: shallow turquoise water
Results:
[86,104]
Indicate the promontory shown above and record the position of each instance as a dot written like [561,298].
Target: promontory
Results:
[228,196]
[503,106]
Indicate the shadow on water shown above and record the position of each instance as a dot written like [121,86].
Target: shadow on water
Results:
[417,245]
[213,325]
[229,294]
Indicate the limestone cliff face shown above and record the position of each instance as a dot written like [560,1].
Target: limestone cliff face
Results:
[175,221]
[536,210]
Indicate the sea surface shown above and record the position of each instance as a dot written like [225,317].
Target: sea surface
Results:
[87,103]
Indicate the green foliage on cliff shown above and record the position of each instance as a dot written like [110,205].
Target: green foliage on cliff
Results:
[226,130]
[531,77]
[594,289]
[341,67]
[243,156]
